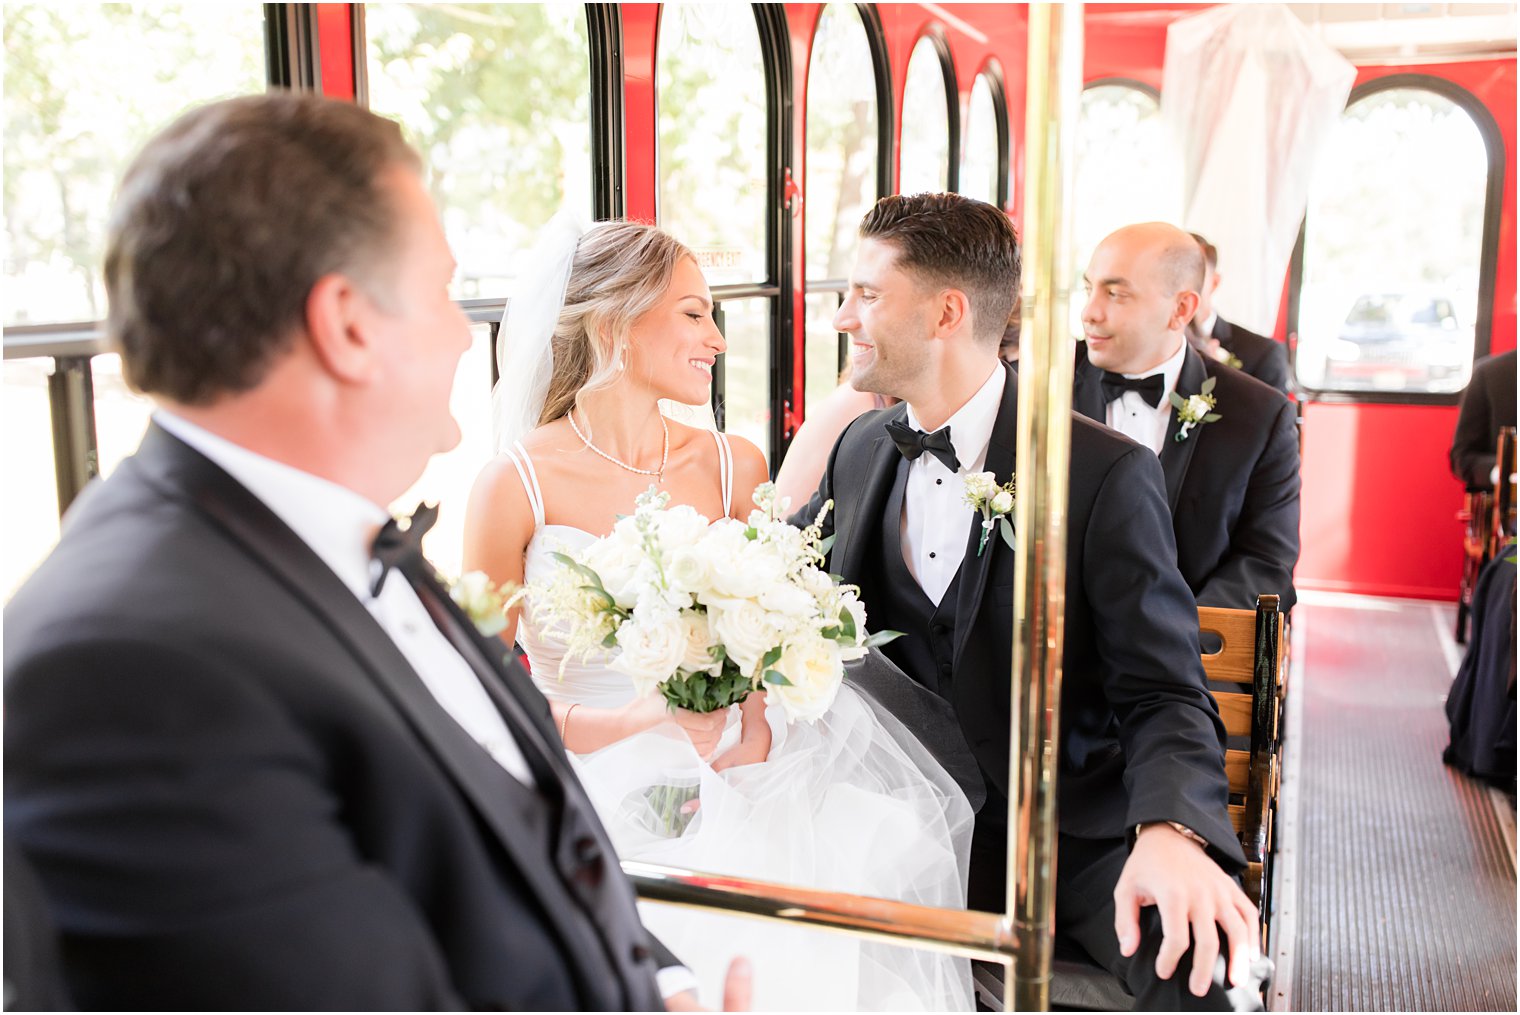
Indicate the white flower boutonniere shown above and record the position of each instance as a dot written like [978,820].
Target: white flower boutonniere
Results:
[482,601]
[994,502]
[1195,410]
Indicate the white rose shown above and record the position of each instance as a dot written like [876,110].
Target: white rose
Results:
[699,640]
[814,671]
[789,601]
[980,485]
[746,631]
[1002,502]
[752,569]
[679,526]
[650,651]
[1198,406]
[621,567]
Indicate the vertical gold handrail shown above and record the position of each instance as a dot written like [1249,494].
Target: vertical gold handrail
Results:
[1043,455]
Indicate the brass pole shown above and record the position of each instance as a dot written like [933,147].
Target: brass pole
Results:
[954,931]
[1043,454]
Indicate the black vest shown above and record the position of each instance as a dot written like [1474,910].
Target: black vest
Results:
[895,602]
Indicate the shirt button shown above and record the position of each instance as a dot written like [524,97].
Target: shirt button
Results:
[939,482]
[931,554]
[641,954]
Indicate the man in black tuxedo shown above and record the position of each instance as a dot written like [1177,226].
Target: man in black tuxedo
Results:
[1232,484]
[1141,742]
[1488,404]
[257,756]
[1257,355]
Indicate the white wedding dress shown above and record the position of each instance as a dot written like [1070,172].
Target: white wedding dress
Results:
[852,803]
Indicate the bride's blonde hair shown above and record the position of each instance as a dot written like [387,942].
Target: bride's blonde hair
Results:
[621,271]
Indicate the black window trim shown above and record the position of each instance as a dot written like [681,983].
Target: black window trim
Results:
[935,33]
[992,71]
[292,50]
[1488,258]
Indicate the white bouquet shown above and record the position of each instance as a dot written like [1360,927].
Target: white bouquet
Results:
[705,613]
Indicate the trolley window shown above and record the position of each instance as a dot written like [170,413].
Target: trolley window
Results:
[713,117]
[497,97]
[842,156]
[986,143]
[1392,249]
[927,120]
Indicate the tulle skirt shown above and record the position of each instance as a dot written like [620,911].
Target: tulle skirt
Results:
[851,803]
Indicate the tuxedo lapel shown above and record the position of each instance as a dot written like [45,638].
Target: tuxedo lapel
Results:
[271,543]
[852,531]
[972,579]
[1087,388]
[1177,455]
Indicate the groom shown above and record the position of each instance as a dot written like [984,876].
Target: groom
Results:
[1143,794]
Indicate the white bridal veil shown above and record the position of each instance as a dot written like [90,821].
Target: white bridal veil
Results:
[524,346]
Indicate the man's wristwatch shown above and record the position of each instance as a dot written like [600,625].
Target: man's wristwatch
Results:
[1181,829]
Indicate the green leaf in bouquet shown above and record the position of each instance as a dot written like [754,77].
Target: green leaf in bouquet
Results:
[579,568]
[602,596]
[770,658]
[610,641]
[775,679]
[846,624]
[827,544]
[751,533]
[831,634]
[718,653]
[881,638]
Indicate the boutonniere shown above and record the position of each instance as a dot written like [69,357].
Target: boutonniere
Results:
[994,502]
[482,600]
[1195,410]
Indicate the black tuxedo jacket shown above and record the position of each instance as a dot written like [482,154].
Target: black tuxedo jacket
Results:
[1232,485]
[1261,357]
[1488,404]
[238,793]
[1140,735]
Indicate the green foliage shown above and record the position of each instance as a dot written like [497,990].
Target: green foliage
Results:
[702,692]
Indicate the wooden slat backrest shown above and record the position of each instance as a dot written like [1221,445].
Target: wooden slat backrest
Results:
[1236,658]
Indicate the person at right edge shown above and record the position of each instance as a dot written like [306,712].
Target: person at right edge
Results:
[1488,404]
[1146,851]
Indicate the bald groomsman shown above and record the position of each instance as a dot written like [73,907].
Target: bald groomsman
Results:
[1227,442]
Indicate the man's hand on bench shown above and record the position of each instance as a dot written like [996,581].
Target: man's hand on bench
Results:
[1192,893]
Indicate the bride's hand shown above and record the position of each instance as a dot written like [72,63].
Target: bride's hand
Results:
[754,744]
[704,728]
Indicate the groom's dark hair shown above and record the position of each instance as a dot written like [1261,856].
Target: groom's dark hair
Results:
[950,240]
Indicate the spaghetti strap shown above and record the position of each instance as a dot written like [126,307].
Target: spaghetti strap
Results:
[529,477]
[725,470]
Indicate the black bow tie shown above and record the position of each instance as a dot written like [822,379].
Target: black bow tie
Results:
[1148,388]
[913,443]
[397,548]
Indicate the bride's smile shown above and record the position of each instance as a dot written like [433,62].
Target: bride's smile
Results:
[672,349]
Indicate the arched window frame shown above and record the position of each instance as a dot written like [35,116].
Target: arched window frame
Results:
[936,36]
[1488,256]
[992,71]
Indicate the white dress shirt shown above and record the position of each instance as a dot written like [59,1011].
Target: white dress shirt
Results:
[936,520]
[1132,416]
[339,525]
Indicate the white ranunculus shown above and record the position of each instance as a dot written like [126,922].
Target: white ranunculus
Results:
[1002,502]
[746,631]
[650,650]
[814,670]
[788,601]
[746,570]
[980,485]
[1198,406]
[689,570]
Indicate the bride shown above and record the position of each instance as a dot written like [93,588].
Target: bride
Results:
[614,321]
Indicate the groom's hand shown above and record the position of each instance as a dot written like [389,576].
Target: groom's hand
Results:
[1192,894]
[737,990]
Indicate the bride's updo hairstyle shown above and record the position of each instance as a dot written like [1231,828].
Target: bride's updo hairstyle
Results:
[620,273]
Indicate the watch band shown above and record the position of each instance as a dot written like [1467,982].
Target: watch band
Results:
[1180,829]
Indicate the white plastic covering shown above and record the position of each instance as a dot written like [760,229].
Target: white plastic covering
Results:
[1250,96]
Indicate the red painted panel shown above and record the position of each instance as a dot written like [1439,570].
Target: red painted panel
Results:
[641,24]
[336,48]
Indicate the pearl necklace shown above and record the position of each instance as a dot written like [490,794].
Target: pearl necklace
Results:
[658,474]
